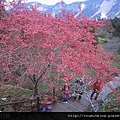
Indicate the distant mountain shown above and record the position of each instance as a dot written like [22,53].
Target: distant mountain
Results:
[92,8]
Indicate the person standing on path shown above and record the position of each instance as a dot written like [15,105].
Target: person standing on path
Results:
[78,89]
[96,89]
[66,92]
[46,104]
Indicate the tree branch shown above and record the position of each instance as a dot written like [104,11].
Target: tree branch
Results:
[31,79]
[43,72]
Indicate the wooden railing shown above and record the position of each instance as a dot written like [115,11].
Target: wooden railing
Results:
[30,105]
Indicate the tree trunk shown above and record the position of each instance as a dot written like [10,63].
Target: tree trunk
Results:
[35,89]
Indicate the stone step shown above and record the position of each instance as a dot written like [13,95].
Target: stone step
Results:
[78,106]
[85,102]
[62,108]
[57,108]
[72,107]
[67,107]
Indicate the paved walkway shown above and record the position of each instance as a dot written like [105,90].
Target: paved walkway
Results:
[85,101]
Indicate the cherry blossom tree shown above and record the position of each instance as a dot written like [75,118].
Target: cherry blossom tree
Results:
[40,44]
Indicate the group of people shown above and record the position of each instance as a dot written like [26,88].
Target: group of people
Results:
[75,90]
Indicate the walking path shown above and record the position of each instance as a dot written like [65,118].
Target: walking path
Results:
[74,106]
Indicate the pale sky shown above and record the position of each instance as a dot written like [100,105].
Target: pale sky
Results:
[52,2]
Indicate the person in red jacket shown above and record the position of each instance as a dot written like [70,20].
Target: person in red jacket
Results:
[96,89]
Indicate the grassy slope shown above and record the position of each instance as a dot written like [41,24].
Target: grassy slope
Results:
[13,93]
